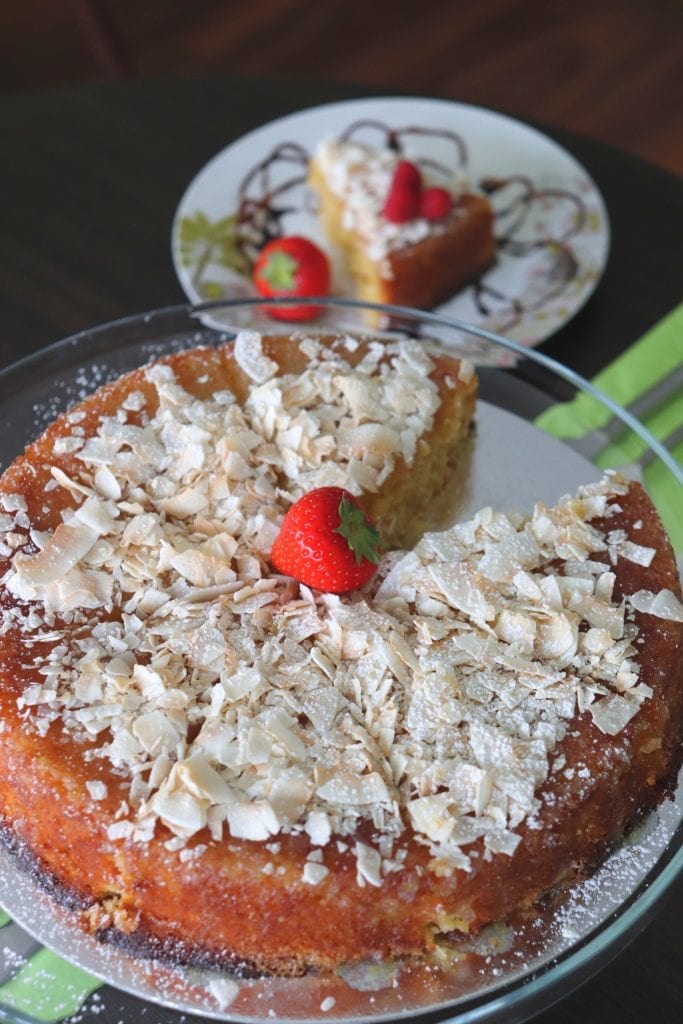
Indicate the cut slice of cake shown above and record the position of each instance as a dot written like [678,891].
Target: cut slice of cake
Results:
[417,262]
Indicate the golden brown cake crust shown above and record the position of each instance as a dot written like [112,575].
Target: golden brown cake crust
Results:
[227,905]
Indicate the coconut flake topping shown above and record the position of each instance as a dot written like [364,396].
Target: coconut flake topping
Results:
[239,703]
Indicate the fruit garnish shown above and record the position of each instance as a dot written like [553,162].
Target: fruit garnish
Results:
[408,174]
[327,542]
[401,205]
[407,198]
[435,203]
[403,198]
[292,266]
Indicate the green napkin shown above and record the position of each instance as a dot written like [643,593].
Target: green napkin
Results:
[48,988]
[657,355]
[45,987]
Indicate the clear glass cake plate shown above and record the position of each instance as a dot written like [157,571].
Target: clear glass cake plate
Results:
[506,973]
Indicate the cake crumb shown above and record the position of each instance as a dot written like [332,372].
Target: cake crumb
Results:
[224,991]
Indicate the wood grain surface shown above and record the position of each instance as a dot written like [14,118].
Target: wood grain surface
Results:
[610,69]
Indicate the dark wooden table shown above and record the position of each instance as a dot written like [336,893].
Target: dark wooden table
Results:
[89,180]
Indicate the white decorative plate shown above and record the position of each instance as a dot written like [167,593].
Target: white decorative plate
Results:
[551,225]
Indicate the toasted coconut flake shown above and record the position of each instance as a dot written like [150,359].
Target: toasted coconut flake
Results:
[370,437]
[557,638]
[369,864]
[289,796]
[664,605]
[637,553]
[196,775]
[183,813]
[13,502]
[188,502]
[318,828]
[503,842]
[517,628]
[65,481]
[314,874]
[99,515]
[602,616]
[155,732]
[464,590]
[431,816]
[107,484]
[96,789]
[120,830]
[251,359]
[613,713]
[350,789]
[195,567]
[255,821]
[241,682]
[465,371]
[223,990]
[504,560]
[596,641]
[67,546]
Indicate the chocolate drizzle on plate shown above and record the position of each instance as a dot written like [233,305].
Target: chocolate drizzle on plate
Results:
[267,193]
[517,201]
[533,223]
[395,139]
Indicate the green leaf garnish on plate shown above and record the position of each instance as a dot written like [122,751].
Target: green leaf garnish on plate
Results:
[202,241]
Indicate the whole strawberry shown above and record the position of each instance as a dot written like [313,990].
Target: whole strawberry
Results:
[326,542]
[292,266]
[403,198]
[435,203]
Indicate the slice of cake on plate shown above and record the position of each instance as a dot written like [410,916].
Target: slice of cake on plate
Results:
[406,238]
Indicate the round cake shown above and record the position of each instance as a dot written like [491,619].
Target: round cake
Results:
[215,763]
